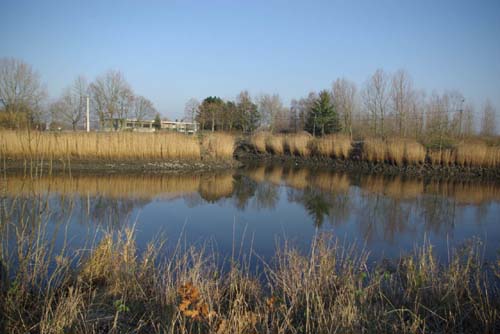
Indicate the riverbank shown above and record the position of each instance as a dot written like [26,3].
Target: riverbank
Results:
[331,288]
[136,152]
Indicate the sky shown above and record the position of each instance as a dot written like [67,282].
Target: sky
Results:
[170,51]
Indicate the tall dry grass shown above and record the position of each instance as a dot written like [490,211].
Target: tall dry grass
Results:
[275,144]
[405,151]
[218,146]
[334,146]
[258,141]
[111,286]
[98,146]
[471,154]
[299,144]
[374,150]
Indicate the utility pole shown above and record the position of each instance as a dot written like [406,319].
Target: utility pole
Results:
[88,114]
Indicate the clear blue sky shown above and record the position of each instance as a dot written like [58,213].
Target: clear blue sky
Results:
[170,51]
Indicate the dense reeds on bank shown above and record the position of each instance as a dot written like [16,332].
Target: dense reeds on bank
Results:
[129,146]
[394,151]
[114,146]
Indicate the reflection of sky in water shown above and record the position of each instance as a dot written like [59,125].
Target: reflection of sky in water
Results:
[386,216]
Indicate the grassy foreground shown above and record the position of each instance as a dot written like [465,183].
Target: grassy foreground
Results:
[330,289]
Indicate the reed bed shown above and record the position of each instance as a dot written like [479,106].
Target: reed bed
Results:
[444,157]
[492,159]
[218,146]
[299,144]
[98,146]
[471,154]
[258,141]
[333,146]
[374,150]
[404,151]
[331,288]
[275,144]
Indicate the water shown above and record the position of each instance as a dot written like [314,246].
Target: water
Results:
[257,208]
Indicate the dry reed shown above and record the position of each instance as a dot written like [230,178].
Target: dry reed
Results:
[98,146]
[374,150]
[275,144]
[471,154]
[334,146]
[299,144]
[330,288]
[218,146]
[404,151]
[258,141]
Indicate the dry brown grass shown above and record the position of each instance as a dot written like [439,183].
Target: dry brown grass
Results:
[218,146]
[98,146]
[492,159]
[275,144]
[330,288]
[334,146]
[405,151]
[444,157]
[258,141]
[374,150]
[299,144]
[471,154]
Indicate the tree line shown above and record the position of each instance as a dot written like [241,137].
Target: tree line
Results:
[24,102]
[385,105]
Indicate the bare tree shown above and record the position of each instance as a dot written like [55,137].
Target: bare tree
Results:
[437,117]
[402,95]
[344,100]
[20,89]
[69,109]
[111,95]
[191,109]
[456,111]
[270,110]
[299,111]
[488,121]
[375,98]
[468,128]
[142,108]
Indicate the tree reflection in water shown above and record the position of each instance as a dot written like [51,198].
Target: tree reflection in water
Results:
[381,207]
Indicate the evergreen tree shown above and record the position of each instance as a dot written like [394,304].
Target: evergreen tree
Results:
[323,118]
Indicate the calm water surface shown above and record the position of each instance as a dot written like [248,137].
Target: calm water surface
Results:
[258,207]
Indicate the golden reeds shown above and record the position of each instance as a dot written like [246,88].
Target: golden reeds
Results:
[275,144]
[258,141]
[471,154]
[218,145]
[374,150]
[98,146]
[299,144]
[405,151]
[334,146]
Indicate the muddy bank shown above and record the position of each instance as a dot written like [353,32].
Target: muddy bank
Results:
[91,167]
